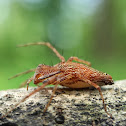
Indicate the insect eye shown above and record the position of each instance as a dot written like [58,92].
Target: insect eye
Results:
[106,74]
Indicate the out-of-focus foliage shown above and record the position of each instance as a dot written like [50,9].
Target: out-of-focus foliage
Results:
[91,30]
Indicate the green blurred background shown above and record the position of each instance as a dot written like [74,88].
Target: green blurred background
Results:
[93,30]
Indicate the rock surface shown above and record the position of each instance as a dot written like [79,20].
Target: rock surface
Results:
[80,107]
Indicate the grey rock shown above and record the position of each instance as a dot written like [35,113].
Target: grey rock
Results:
[80,107]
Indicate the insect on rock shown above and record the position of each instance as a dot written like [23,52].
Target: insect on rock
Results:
[66,73]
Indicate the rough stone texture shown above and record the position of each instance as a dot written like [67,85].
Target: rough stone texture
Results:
[80,107]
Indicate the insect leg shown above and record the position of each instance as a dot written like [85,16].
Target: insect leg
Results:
[25,72]
[60,78]
[24,83]
[49,45]
[78,60]
[100,92]
[54,90]
[29,80]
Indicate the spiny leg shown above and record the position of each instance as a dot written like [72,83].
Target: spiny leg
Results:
[47,44]
[78,60]
[100,92]
[54,90]
[26,97]
[60,78]
[25,72]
